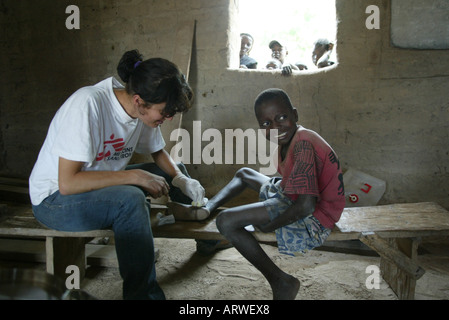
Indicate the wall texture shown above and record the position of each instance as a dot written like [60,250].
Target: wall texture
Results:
[383,109]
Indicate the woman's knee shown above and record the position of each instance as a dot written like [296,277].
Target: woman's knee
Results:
[133,202]
[132,194]
[132,211]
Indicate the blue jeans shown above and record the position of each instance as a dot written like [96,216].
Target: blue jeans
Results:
[126,210]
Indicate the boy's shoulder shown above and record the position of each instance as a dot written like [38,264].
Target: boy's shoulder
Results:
[306,134]
[309,135]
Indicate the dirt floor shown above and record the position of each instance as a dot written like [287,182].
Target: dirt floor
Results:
[226,275]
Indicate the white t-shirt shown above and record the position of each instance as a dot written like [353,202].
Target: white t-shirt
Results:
[91,127]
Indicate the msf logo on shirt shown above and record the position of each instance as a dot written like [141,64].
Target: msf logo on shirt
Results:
[113,149]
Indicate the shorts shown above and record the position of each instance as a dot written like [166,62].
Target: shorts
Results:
[299,237]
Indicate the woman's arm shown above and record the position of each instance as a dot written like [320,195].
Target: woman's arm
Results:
[73,181]
[166,163]
[303,207]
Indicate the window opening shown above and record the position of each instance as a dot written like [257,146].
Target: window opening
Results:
[295,24]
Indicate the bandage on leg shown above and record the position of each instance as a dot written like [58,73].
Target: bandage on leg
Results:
[186,212]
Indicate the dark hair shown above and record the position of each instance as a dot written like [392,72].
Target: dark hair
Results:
[323,43]
[273,94]
[155,80]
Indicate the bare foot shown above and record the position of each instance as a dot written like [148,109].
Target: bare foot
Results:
[286,288]
[187,212]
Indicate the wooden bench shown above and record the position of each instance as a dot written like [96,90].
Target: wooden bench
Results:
[393,231]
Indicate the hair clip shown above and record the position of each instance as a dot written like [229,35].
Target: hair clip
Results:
[137,64]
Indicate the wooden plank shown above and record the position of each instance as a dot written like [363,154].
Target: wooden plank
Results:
[185,34]
[408,217]
[398,263]
[393,254]
[19,220]
[182,55]
[14,193]
[399,281]
[14,182]
[32,250]
[13,189]
[62,252]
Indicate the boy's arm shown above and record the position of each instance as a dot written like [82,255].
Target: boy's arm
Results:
[303,207]
[324,60]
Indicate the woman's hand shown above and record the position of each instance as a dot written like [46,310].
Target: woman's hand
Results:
[155,185]
[191,188]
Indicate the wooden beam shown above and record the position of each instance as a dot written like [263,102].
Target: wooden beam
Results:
[63,252]
[385,250]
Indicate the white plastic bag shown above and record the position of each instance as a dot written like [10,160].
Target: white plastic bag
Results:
[362,189]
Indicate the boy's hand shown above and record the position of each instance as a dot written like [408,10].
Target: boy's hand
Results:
[287,69]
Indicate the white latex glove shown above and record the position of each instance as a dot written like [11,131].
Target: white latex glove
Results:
[191,188]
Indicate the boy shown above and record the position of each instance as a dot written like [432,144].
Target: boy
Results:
[280,52]
[301,207]
[321,53]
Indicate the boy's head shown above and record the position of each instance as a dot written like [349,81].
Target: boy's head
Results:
[278,51]
[321,46]
[274,110]
[246,44]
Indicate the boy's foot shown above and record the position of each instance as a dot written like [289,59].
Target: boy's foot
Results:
[286,288]
[187,212]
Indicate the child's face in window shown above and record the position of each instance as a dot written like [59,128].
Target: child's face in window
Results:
[274,114]
[278,52]
[246,45]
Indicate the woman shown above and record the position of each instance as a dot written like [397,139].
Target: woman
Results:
[79,181]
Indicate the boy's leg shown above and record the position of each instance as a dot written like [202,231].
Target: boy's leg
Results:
[244,178]
[126,211]
[231,223]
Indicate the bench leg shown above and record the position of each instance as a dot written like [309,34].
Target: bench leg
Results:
[401,282]
[62,252]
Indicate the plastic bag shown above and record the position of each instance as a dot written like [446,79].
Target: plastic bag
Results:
[362,189]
